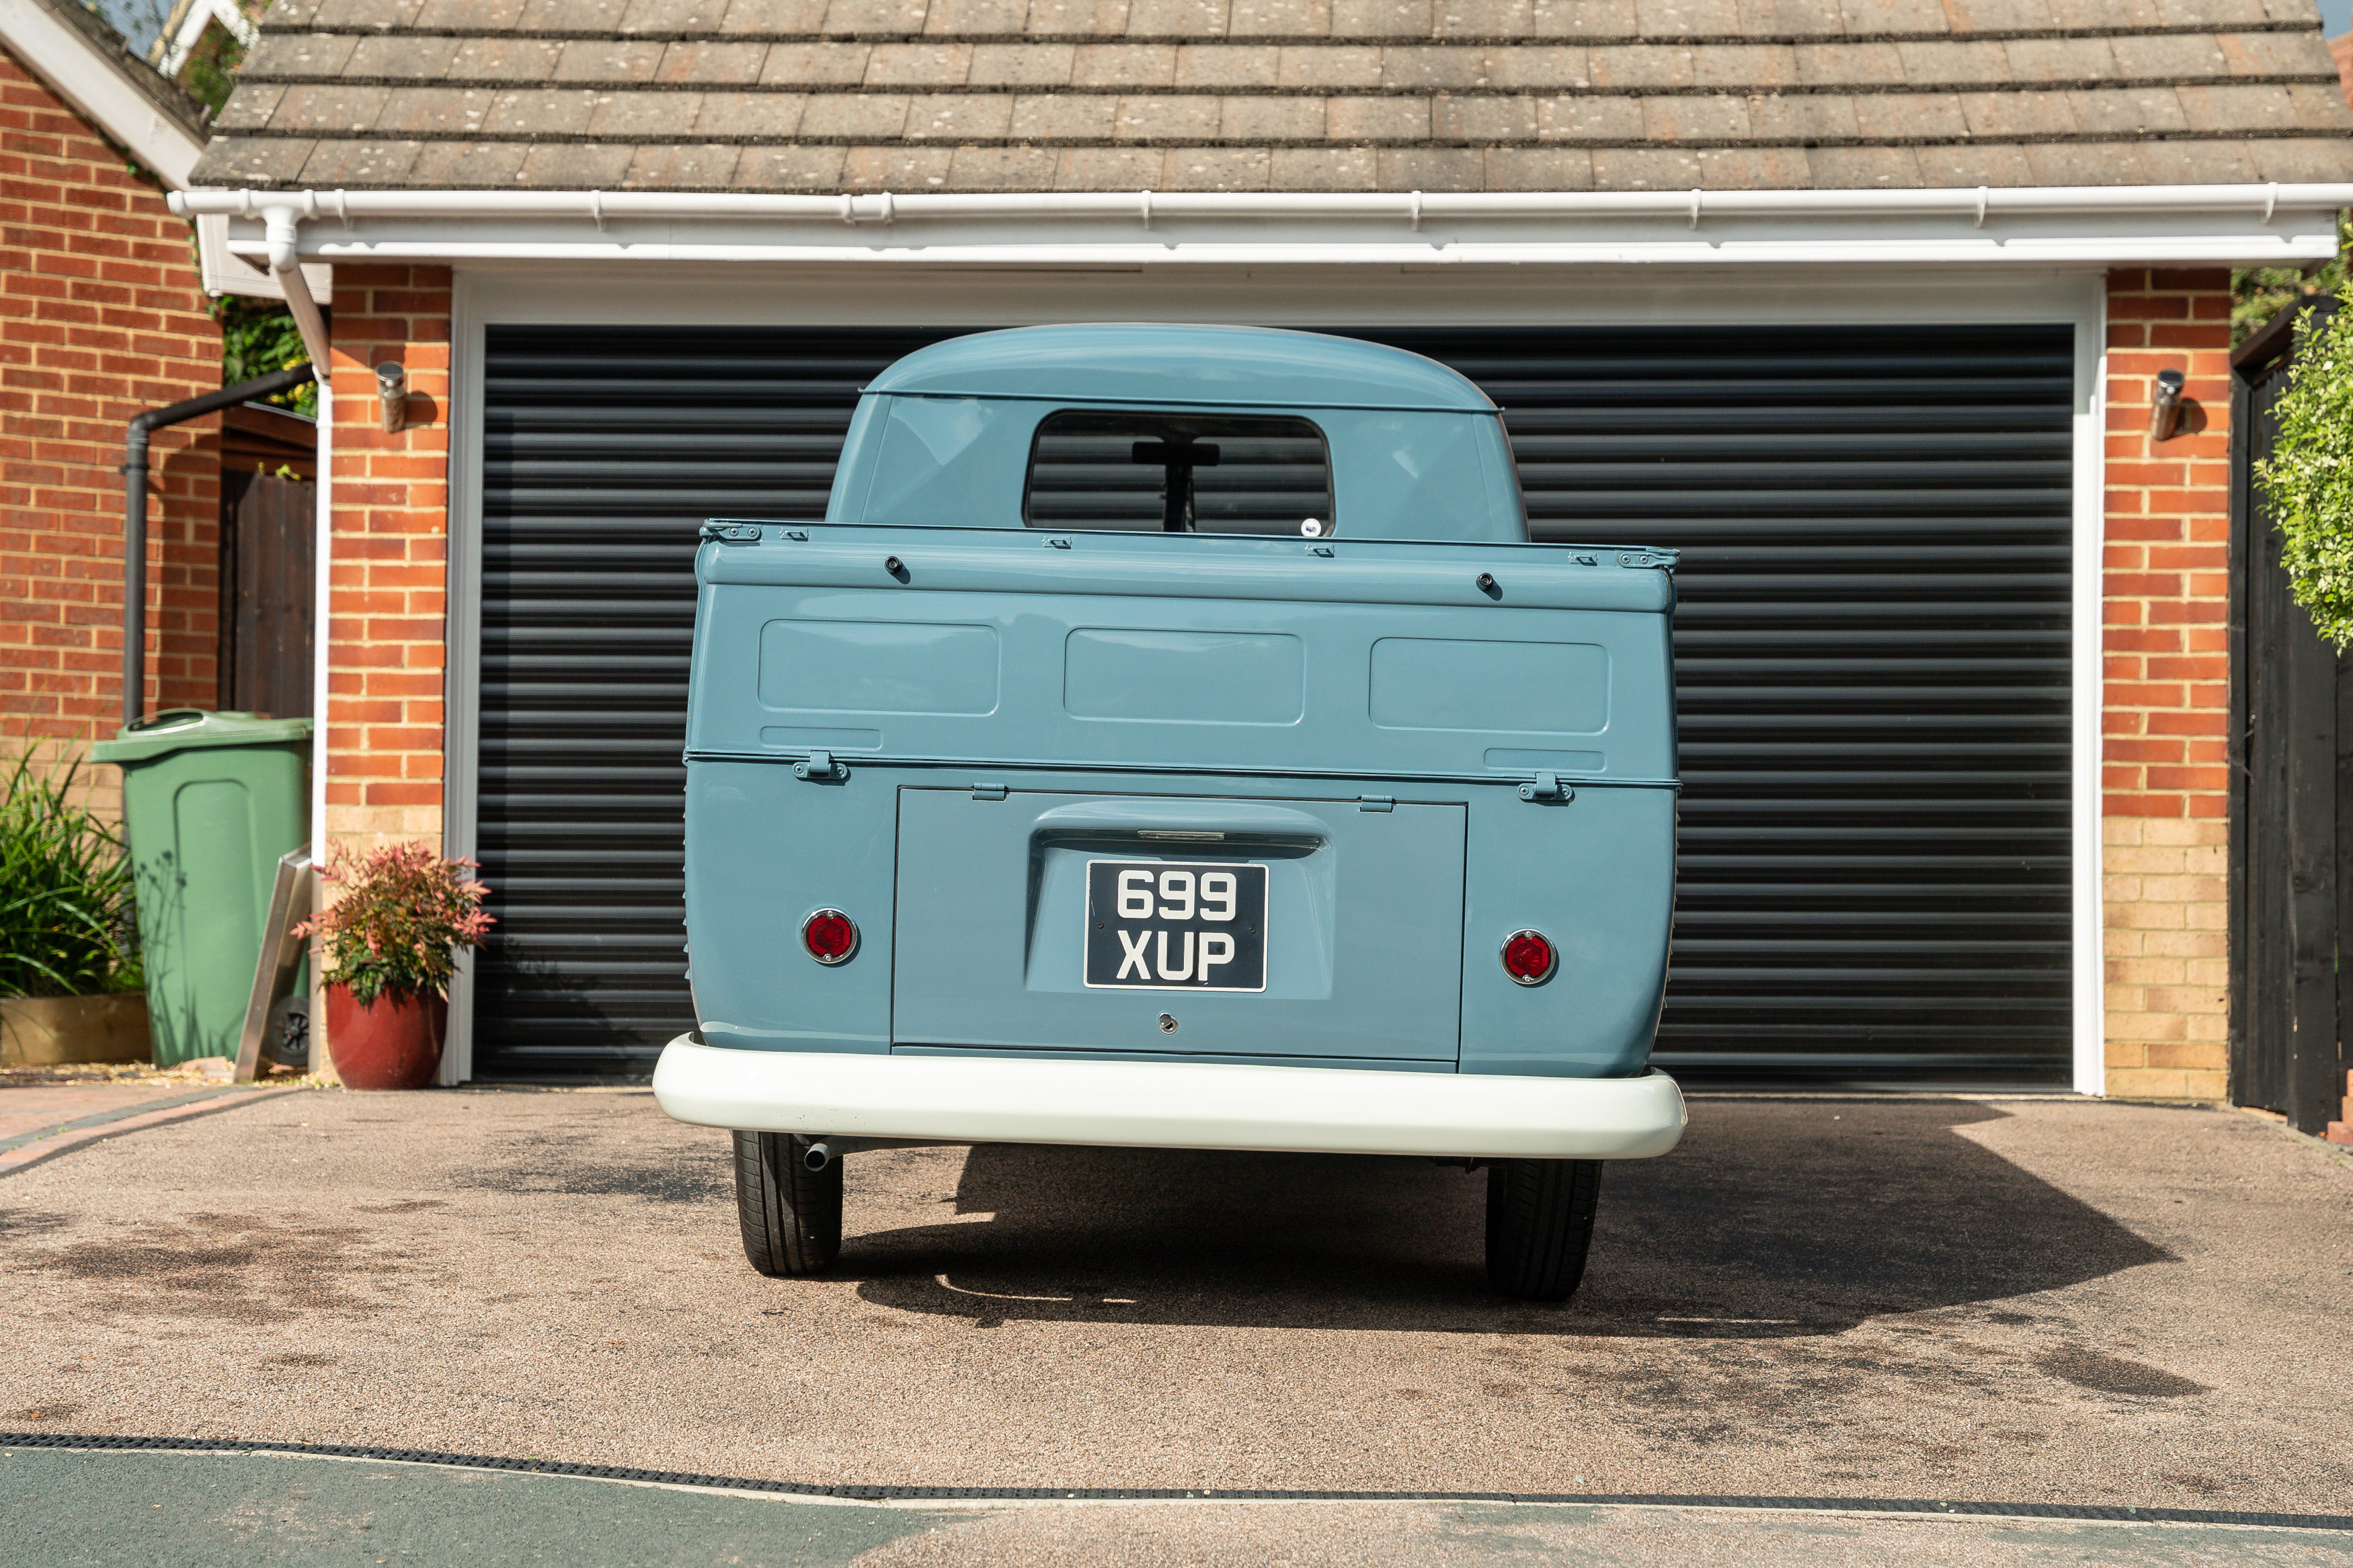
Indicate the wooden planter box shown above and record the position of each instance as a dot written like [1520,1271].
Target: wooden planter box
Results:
[44,1031]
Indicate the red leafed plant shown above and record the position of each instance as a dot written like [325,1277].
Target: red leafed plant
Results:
[404,913]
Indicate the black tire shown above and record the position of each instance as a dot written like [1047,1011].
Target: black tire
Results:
[1539,1225]
[791,1214]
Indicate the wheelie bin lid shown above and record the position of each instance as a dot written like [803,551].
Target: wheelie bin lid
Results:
[191,729]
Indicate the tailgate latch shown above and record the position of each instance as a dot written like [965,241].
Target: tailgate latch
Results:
[1547,786]
[1376,802]
[820,765]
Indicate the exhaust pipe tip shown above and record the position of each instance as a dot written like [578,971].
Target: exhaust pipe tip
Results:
[818,1155]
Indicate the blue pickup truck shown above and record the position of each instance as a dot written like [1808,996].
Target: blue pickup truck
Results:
[1171,738]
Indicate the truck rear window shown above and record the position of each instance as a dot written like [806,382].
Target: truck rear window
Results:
[1179,473]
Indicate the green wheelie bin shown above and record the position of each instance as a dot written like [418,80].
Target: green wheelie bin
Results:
[210,801]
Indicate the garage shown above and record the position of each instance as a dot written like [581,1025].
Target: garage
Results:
[1872,652]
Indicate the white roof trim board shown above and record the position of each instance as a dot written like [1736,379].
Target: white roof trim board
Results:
[97,89]
[2146,224]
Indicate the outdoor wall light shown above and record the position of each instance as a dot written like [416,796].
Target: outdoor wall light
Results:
[392,394]
[2165,404]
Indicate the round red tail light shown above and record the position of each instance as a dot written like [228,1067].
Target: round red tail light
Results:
[831,936]
[1528,957]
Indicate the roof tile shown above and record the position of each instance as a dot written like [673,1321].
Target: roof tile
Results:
[1635,66]
[471,16]
[1176,18]
[249,108]
[434,111]
[299,54]
[517,60]
[1952,63]
[1908,116]
[719,65]
[1582,19]
[1482,19]
[1186,119]
[1086,19]
[1123,65]
[2228,109]
[1281,19]
[1862,168]
[1721,119]
[960,19]
[359,162]
[872,18]
[1022,64]
[682,167]
[468,165]
[1964,166]
[1541,66]
[636,115]
[764,116]
[1319,68]
[1377,119]
[1688,18]
[1425,66]
[575,166]
[1430,169]
[346,108]
[1384,18]
[895,168]
[540,111]
[958,117]
[1850,64]
[608,60]
[1063,117]
[1218,169]
[1001,169]
[1537,169]
[815,65]
[1324,169]
[670,16]
[2016,116]
[1246,120]
[1226,65]
[2128,111]
[794,168]
[247,161]
[573,15]
[919,65]
[862,116]
[772,16]
[1589,118]
[357,16]
[1110,169]
[401,57]
[2298,159]
[1482,118]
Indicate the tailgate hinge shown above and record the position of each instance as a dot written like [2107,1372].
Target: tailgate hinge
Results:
[820,765]
[1376,802]
[987,792]
[1547,786]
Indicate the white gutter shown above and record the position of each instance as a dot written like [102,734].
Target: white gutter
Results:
[2280,224]
[1414,208]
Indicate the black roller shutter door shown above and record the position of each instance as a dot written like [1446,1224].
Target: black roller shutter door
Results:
[1871,658]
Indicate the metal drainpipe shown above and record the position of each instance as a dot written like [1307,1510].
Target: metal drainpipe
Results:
[134,516]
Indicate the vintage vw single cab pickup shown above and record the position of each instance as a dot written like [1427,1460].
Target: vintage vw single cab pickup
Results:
[1170,738]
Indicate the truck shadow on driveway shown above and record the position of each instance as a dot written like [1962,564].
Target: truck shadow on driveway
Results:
[1773,1220]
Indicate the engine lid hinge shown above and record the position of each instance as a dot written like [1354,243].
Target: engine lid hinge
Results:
[820,765]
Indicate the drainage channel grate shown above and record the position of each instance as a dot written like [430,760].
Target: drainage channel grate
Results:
[80,1442]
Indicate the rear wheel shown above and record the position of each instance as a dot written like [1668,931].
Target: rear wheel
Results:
[791,1214]
[1539,1224]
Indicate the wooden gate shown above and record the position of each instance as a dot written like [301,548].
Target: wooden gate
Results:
[268,511]
[2291,755]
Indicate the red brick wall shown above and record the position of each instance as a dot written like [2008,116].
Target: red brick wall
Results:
[390,504]
[101,315]
[2166,705]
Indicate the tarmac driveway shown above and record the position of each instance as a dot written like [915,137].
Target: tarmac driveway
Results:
[2026,1302]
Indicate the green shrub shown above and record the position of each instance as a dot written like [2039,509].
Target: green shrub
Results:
[404,912]
[2306,483]
[65,892]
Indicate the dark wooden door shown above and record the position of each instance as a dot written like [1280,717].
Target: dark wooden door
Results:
[2292,761]
[267,524]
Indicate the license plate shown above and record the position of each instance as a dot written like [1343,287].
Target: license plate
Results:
[1160,925]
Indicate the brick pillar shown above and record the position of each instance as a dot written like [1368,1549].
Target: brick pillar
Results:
[101,316]
[390,505]
[2165,706]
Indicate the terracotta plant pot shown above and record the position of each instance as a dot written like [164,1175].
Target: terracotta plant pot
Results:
[393,1045]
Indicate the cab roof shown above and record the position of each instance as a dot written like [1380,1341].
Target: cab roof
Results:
[1225,367]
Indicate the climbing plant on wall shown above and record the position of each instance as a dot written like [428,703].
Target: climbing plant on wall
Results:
[2306,483]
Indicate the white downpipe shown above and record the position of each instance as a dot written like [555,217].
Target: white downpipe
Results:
[284,230]
[322,541]
[1977,203]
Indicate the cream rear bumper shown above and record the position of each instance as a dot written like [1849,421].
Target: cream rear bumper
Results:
[1169,1105]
